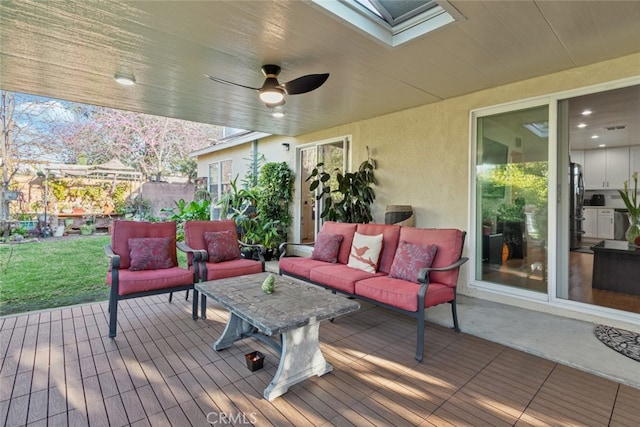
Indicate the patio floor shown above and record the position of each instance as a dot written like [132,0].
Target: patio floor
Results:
[60,368]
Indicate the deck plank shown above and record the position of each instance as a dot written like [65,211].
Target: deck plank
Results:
[58,367]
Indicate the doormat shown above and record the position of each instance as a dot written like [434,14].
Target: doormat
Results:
[623,341]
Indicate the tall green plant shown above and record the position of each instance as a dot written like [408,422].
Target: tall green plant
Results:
[276,182]
[351,200]
[183,212]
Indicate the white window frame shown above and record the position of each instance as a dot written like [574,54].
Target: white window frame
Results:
[220,183]
[346,165]
[549,302]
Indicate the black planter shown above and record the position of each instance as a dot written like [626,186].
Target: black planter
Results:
[249,254]
[270,253]
[513,235]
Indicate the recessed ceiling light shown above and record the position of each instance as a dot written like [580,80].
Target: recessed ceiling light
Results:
[602,145]
[125,79]
[582,125]
[586,112]
[594,137]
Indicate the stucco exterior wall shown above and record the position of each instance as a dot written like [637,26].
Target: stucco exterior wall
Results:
[422,154]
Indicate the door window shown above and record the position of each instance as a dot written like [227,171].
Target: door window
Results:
[512,169]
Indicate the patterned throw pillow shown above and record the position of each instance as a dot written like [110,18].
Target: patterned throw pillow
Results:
[150,253]
[221,246]
[410,258]
[327,247]
[365,252]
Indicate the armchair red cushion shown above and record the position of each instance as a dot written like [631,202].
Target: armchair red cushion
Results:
[124,230]
[222,246]
[150,253]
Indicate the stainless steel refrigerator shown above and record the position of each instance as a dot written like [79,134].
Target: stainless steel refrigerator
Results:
[576,189]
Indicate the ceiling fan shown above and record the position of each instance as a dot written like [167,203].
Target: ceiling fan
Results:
[272,92]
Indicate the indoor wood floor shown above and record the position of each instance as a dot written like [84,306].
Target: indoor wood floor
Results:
[580,274]
[518,273]
[59,368]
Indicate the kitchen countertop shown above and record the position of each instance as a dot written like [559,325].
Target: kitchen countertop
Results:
[602,207]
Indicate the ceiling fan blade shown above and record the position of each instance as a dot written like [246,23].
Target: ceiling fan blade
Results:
[305,84]
[226,82]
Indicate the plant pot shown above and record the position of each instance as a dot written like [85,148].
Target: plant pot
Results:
[86,231]
[255,360]
[249,254]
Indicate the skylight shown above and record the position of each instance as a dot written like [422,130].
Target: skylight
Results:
[393,21]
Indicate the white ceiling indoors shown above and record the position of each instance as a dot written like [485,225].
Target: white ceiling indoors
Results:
[71,50]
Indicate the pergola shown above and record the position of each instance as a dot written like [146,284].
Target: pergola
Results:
[113,169]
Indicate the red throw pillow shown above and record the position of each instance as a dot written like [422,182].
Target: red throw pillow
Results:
[221,246]
[150,253]
[327,247]
[410,258]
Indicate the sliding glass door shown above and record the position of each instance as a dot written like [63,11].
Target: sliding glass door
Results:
[512,181]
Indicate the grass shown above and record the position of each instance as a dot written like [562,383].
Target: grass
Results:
[54,273]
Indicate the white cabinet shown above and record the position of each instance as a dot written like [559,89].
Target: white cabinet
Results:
[634,161]
[590,223]
[605,224]
[606,169]
[598,223]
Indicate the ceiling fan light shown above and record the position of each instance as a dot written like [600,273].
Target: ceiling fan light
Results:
[125,79]
[272,95]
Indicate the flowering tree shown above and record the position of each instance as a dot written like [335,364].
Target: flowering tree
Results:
[151,144]
[26,124]
[37,130]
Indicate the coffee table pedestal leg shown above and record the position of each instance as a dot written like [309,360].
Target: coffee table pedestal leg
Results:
[301,358]
[235,330]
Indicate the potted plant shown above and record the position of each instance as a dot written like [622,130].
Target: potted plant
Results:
[351,198]
[631,202]
[86,229]
[511,223]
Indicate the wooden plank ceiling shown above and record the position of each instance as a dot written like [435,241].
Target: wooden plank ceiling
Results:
[71,50]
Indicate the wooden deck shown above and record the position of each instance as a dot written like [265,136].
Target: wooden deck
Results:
[59,368]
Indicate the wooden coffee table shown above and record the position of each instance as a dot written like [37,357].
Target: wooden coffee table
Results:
[293,313]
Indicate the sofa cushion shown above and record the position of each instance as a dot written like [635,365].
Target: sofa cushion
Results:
[221,246]
[346,230]
[232,268]
[338,276]
[327,247]
[390,237]
[401,293]
[147,280]
[299,266]
[150,253]
[410,258]
[365,252]
[449,242]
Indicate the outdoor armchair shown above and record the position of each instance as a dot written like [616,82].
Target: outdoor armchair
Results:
[217,244]
[143,261]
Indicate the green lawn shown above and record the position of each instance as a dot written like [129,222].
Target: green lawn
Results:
[54,273]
